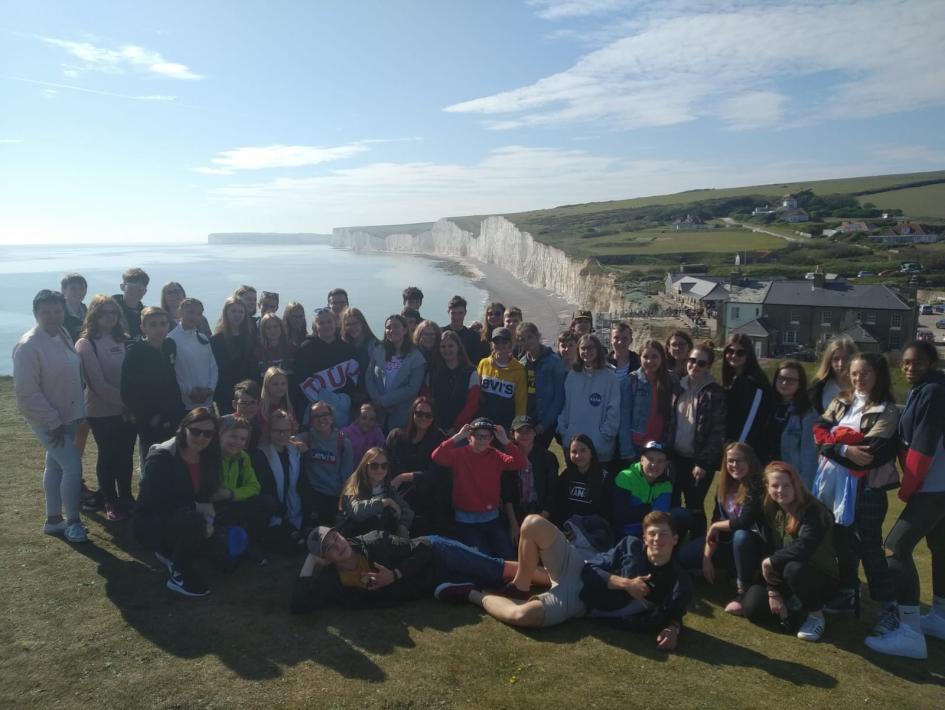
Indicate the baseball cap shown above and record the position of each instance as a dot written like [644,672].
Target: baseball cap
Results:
[582,315]
[501,333]
[316,538]
[482,423]
[522,421]
[655,446]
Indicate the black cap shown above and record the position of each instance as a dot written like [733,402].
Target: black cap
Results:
[482,423]
[655,446]
[522,421]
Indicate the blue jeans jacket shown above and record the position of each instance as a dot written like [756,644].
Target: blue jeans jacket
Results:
[550,372]
[798,447]
[635,400]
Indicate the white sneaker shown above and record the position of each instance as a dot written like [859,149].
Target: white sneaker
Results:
[812,629]
[903,641]
[55,528]
[76,532]
[933,624]
[166,561]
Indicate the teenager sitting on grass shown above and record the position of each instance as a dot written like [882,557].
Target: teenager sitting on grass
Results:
[239,500]
[477,477]
[801,573]
[641,489]
[733,542]
[379,568]
[637,584]
[369,501]
[174,517]
[326,464]
[278,466]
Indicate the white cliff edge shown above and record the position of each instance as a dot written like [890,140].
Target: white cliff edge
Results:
[501,243]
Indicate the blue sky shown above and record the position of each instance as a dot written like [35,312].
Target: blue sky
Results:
[167,121]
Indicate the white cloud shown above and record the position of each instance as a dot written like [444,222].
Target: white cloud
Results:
[675,65]
[156,97]
[919,154]
[126,58]
[754,109]
[8,141]
[280,156]
[566,9]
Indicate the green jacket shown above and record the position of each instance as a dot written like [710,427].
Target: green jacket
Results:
[239,477]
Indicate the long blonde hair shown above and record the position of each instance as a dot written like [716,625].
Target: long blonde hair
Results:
[359,484]
[265,400]
[834,345]
[726,482]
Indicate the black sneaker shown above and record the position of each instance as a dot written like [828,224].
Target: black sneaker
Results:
[846,601]
[190,585]
[454,593]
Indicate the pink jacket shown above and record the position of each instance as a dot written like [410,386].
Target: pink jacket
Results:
[361,441]
[101,367]
[46,379]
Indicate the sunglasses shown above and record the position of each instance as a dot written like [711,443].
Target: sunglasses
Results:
[205,433]
[737,352]
[697,362]
[378,465]
[321,415]
[494,313]
[788,380]
[423,415]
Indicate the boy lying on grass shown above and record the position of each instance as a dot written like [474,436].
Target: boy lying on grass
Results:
[637,584]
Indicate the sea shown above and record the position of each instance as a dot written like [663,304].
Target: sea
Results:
[303,273]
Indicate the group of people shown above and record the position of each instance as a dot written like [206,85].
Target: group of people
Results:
[418,462]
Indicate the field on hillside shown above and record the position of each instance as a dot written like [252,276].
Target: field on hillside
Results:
[92,626]
[927,201]
[667,241]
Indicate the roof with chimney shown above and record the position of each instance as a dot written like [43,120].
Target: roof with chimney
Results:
[837,294]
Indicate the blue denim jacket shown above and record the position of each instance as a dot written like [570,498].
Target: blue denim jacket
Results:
[798,447]
[635,399]
[550,372]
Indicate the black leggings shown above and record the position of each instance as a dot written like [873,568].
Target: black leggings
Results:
[923,517]
[179,536]
[115,439]
[252,514]
[694,491]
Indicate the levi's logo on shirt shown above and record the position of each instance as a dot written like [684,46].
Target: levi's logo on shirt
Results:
[329,457]
[495,386]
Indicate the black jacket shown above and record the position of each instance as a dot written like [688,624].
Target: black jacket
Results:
[236,361]
[166,486]
[628,559]
[811,544]
[545,474]
[149,385]
[411,557]
[739,398]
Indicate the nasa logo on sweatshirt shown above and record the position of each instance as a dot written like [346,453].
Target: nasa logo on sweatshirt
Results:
[595,399]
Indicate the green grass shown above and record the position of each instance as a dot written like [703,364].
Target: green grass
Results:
[652,242]
[926,202]
[92,626]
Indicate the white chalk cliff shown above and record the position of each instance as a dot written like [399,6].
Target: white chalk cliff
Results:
[501,243]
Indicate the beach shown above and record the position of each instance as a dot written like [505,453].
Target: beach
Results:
[549,311]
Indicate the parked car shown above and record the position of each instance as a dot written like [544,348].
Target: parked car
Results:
[938,308]
[861,274]
[926,335]
[940,323]
[925,310]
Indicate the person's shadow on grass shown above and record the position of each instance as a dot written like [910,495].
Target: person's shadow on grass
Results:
[244,622]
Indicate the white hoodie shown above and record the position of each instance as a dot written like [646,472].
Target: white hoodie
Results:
[195,365]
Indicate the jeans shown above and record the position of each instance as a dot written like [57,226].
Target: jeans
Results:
[115,438]
[923,517]
[490,538]
[694,491]
[863,540]
[62,475]
[741,553]
[455,562]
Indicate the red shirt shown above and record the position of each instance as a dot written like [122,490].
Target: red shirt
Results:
[194,469]
[477,478]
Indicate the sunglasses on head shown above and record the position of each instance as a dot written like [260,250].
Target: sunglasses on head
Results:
[205,433]
[698,362]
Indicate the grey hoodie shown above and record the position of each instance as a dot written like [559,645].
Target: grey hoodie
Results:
[328,462]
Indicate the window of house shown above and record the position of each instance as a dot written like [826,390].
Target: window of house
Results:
[790,337]
[795,316]
[826,317]
[736,312]
[896,320]
[870,319]
[895,341]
